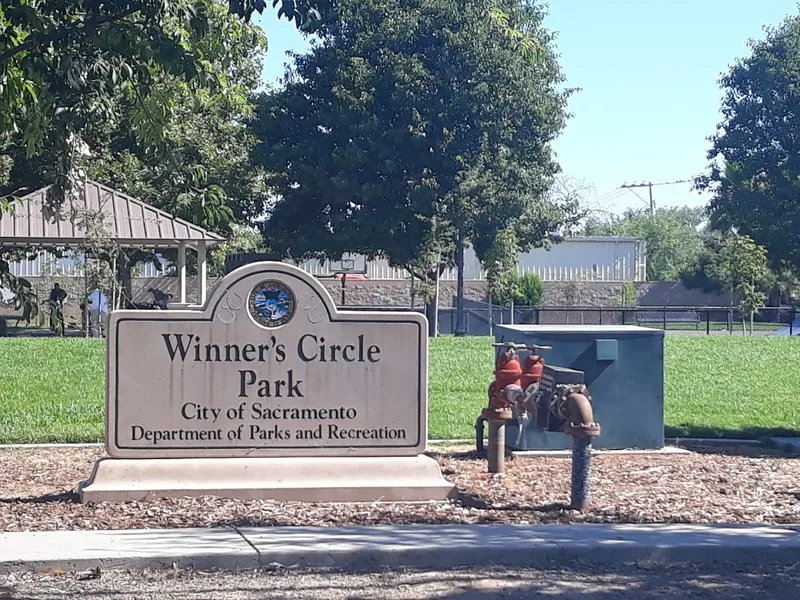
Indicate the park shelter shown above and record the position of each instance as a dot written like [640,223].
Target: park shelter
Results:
[129,222]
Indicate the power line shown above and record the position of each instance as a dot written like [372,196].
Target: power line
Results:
[650,185]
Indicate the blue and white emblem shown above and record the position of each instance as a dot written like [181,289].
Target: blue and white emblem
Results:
[272,304]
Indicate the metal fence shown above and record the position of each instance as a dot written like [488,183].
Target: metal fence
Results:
[703,320]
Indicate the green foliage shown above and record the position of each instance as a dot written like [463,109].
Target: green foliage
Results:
[409,121]
[531,290]
[525,290]
[629,294]
[673,240]
[65,63]
[740,264]
[74,70]
[199,170]
[242,239]
[501,268]
[755,173]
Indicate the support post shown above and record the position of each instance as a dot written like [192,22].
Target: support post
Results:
[460,328]
[182,271]
[496,454]
[202,272]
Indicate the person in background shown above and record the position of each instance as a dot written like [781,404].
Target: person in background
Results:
[98,313]
[56,303]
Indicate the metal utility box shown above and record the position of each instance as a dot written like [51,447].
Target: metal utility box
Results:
[623,369]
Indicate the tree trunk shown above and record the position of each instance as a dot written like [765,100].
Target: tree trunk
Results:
[432,306]
[460,325]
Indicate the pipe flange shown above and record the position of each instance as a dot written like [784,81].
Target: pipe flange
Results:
[558,403]
[582,430]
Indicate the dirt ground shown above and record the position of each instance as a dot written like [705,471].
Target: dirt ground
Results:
[708,485]
[570,582]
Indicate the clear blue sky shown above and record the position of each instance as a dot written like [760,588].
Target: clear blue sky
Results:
[648,72]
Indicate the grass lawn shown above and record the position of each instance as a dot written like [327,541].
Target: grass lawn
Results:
[51,390]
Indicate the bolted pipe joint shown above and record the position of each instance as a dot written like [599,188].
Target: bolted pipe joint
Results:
[580,416]
[582,428]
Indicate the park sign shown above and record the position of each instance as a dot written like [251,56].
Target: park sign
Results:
[263,391]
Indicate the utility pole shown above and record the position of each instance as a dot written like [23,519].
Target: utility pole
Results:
[649,185]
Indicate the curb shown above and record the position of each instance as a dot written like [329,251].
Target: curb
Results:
[375,548]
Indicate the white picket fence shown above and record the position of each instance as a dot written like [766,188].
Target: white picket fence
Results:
[381,270]
[617,259]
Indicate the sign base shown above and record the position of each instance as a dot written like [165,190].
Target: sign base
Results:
[313,479]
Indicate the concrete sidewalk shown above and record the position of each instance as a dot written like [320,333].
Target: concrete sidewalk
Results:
[420,546]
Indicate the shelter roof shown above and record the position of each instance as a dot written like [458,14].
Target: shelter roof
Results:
[127,220]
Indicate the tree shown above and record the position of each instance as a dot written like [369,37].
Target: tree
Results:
[205,177]
[754,175]
[410,126]
[741,264]
[672,237]
[64,63]
[74,68]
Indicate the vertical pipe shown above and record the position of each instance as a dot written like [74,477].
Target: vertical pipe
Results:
[182,271]
[708,322]
[202,268]
[479,434]
[497,446]
[581,471]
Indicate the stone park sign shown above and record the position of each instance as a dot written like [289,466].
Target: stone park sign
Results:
[267,391]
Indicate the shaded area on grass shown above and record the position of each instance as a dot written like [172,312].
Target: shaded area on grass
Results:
[742,433]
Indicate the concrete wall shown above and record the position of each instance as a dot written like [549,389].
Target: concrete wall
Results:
[397,293]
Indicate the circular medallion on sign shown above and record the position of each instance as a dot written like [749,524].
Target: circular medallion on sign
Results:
[272,304]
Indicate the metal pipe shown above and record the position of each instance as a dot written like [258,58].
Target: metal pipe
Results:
[581,426]
[479,434]
[497,446]
[580,412]
[581,471]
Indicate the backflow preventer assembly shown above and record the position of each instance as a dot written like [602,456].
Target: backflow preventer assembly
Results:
[543,396]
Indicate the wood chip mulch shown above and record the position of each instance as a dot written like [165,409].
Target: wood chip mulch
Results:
[735,485]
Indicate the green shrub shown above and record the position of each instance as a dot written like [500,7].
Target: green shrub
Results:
[628,294]
[523,291]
